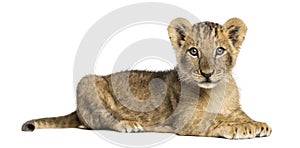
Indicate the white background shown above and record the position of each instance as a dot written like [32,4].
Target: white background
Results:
[39,40]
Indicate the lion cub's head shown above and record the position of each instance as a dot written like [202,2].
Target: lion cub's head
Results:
[206,52]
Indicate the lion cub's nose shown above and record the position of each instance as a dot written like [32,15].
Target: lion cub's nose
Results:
[207,75]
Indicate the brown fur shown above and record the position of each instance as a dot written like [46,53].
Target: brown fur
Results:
[199,97]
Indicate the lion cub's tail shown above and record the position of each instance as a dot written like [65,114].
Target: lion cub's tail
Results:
[67,121]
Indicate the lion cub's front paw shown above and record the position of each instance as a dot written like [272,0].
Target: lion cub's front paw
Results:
[263,129]
[126,126]
[244,130]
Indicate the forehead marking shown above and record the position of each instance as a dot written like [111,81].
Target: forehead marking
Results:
[205,31]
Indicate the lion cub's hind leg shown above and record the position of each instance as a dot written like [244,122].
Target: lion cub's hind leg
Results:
[127,126]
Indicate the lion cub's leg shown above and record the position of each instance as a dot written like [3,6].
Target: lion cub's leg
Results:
[241,130]
[127,126]
[239,126]
[96,106]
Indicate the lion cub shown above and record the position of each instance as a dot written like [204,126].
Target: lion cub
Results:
[198,97]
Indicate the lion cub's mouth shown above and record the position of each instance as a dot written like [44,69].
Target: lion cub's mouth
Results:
[206,83]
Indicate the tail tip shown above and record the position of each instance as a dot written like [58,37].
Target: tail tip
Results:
[28,126]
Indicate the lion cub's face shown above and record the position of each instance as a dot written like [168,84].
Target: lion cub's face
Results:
[206,51]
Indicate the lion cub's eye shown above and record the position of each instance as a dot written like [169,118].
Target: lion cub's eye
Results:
[220,51]
[193,51]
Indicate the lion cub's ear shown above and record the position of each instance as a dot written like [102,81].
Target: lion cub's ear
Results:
[236,30]
[178,30]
